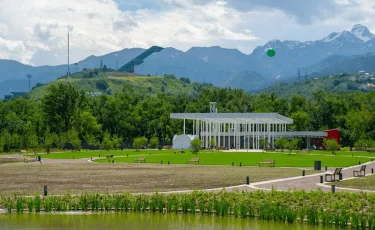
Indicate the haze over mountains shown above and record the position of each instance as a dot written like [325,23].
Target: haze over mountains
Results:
[347,51]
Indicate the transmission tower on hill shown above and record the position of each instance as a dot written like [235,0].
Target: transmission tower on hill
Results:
[29,76]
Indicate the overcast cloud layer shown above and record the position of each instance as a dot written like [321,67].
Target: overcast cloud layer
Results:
[35,31]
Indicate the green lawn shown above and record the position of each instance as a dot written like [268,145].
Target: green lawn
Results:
[364,183]
[283,159]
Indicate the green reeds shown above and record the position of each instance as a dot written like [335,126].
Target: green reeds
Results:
[316,207]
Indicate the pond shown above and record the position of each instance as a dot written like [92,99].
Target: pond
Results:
[149,221]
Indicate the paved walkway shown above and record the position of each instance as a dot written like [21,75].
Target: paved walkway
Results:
[310,182]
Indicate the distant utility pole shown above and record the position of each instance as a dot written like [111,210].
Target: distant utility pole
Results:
[299,75]
[29,76]
[68,57]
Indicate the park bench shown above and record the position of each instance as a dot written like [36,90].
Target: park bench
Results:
[193,160]
[306,150]
[23,151]
[270,162]
[332,177]
[140,160]
[361,172]
[109,156]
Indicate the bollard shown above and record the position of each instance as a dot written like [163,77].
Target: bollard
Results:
[168,162]
[372,171]
[240,164]
[113,161]
[45,190]
[333,188]
[326,168]
[247,180]
[340,176]
[303,172]
[321,179]
[359,163]
[232,163]
[161,162]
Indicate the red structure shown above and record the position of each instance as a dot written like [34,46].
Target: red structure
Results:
[333,134]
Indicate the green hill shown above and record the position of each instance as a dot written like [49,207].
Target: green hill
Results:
[109,84]
[333,84]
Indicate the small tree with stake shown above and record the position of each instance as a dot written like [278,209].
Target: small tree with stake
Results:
[195,146]
[212,144]
[331,145]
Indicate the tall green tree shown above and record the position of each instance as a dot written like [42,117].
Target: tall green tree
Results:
[61,106]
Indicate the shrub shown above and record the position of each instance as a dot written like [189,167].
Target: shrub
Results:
[195,145]
[139,143]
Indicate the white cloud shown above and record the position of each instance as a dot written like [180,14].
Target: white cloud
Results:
[36,33]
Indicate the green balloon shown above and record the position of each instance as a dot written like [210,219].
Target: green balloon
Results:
[271,52]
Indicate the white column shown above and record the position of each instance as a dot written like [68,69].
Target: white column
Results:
[184,126]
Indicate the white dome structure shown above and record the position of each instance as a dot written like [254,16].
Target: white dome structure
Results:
[183,141]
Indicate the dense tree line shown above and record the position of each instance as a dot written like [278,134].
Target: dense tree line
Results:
[65,115]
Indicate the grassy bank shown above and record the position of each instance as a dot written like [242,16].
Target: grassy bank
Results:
[315,207]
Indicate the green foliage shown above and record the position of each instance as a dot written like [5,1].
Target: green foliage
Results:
[212,143]
[102,85]
[107,143]
[116,141]
[196,145]
[263,144]
[48,140]
[139,143]
[331,145]
[153,143]
[281,143]
[293,144]
[61,105]
[72,138]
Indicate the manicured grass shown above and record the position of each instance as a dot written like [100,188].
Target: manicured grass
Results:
[283,159]
[364,183]
[88,154]
[244,158]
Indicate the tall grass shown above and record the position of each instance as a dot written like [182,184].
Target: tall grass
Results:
[315,207]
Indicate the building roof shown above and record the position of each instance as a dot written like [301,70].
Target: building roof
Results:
[248,118]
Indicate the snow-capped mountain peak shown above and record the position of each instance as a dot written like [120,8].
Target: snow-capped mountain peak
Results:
[362,32]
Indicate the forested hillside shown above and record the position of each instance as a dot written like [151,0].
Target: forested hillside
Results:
[67,115]
[340,83]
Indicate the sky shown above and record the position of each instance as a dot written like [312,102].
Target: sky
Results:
[35,31]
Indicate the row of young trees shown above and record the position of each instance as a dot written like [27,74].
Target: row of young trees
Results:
[66,115]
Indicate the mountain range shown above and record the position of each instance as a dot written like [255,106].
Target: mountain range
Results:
[346,51]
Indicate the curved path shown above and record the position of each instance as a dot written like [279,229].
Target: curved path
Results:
[312,181]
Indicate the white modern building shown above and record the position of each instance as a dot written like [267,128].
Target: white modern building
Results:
[241,130]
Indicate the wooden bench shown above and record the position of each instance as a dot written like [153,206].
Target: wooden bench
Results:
[109,156]
[270,162]
[332,177]
[23,151]
[193,160]
[306,150]
[361,172]
[140,160]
